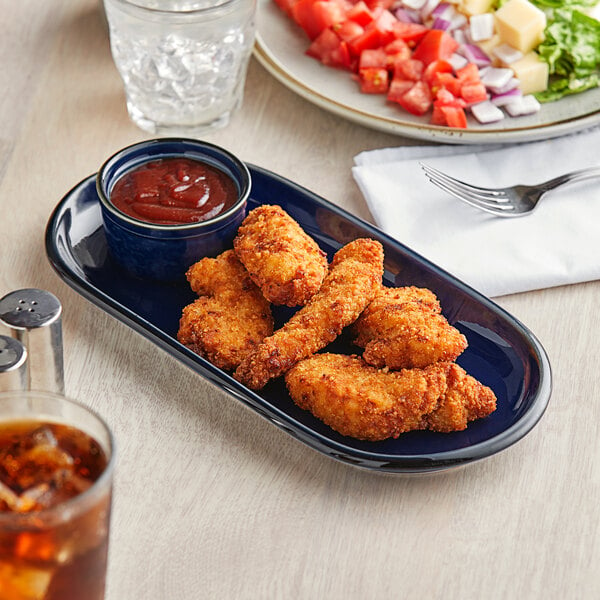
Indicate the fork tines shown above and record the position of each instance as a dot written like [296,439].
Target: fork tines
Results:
[471,194]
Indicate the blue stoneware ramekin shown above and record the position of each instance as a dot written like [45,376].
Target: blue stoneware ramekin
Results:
[165,252]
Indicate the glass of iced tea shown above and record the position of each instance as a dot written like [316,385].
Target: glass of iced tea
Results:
[56,468]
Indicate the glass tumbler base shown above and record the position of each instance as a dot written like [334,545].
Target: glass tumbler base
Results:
[193,130]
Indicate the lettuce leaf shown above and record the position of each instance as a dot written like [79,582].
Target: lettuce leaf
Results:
[572,50]
[565,3]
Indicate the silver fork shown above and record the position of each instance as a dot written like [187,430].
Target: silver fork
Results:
[515,201]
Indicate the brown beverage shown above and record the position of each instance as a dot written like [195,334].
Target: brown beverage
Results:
[54,512]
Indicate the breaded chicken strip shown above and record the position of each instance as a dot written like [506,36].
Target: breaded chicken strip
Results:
[353,280]
[409,296]
[361,401]
[283,261]
[230,318]
[466,399]
[403,328]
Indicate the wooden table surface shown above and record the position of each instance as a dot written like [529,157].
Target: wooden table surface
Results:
[211,500]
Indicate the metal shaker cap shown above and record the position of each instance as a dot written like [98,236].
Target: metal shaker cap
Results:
[14,374]
[33,317]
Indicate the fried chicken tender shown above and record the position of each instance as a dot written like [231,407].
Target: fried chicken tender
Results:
[403,328]
[466,399]
[361,401]
[358,400]
[230,318]
[283,261]
[353,280]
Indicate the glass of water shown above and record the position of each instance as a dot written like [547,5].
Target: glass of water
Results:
[183,62]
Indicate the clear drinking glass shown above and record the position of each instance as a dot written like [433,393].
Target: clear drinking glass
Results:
[56,468]
[183,62]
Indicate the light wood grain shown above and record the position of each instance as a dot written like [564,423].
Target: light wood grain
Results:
[211,501]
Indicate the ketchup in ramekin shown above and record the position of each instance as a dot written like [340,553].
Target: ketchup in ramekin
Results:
[174,190]
[166,203]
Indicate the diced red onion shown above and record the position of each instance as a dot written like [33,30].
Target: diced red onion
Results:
[506,97]
[475,54]
[494,78]
[507,54]
[427,8]
[458,62]
[467,33]
[526,105]
[440,23]
[441,9]
[511,84]
[458,21]
[482,27]
[414,4]
[407,16]
[486,112]
[459,36]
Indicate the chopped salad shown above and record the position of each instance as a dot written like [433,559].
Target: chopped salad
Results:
[449,58]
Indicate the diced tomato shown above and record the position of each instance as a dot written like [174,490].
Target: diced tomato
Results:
[373,58]
[446,98]
[330,50]
[396,50]
[348,30]
[398,47]
[372,4]
[411,33]
[302,14]
[447,81]
[316,15]
[359,13]
[328,12]
[435,45]
[473,92]
[385,22]
[364,36]
[455,117]
[373,80]
[469,72]
[369,39]
[409,69]
[397,89]
[417,100]
[377,33]
[435,68]
[438,117]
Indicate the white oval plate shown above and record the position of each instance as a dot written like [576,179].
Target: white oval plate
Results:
[280,47]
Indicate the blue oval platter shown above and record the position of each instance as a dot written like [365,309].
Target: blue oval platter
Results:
[502,353]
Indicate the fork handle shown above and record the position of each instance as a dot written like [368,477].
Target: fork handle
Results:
[580,175]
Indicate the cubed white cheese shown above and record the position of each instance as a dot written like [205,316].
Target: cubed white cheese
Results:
[488,45]
[532,73]
[520,24]
[475,7]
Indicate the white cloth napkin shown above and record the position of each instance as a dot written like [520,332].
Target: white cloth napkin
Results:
[557,244]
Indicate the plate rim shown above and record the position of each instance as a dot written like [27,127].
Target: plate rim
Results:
[372,461]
